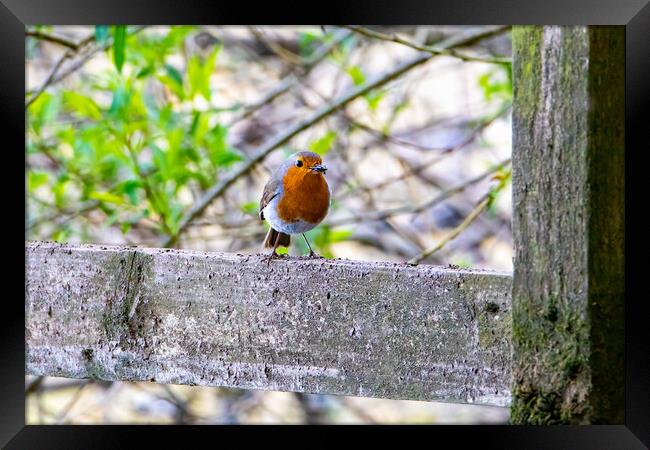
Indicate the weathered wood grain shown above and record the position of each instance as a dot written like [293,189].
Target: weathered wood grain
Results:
[322,326]
[568,224]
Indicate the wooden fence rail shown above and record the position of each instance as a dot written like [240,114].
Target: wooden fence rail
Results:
[321,326]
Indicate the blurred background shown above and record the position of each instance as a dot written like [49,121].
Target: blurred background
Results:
[165,136]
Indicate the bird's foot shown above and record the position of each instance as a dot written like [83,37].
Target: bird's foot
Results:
[313,254]
[271,256]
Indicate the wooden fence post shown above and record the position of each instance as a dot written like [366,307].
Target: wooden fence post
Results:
[568,225]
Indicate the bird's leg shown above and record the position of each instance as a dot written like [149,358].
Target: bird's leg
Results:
[312,253]
[273,253]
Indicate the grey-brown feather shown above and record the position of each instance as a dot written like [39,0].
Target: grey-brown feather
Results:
[272,235]
[270,191]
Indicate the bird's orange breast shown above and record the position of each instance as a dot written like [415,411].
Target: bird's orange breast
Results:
[306,196]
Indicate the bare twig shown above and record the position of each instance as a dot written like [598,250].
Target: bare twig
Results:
[415,170]
[59,40]
[34,385]
[55,78]
[381,215]
[454,233]
[314,413]
[67,214]
[262,152]
[146,184]
[290,81]
[183,414]
[282,52]
[73,401]
[49,79]
[381,136]
[321,52]
[274,93]
[423,48]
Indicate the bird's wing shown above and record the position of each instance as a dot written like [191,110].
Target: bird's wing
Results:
[270,190]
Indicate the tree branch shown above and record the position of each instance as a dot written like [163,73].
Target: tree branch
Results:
[282,138]
[53,78]
[290,81]
[59,40]
[438,157]
[423,48]
[454,233]
[385,214]
[485,203]
[49,78]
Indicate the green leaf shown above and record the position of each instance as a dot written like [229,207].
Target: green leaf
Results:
[119,46]
[191,153]
[145,72]
[174,74]
[172,85]
[324,144]
[462,262]
[81,105]
[125,227]
[36,180]
[160,162]
[221,154]
[373,98]
[250,208]
[203,180]
[59,190]
[227,157]
[199,73]
[357,75]
[199,128]
[61,235]
[307,43]
[43,110]
[101,34]
[173,79]
[130,188]
[503,176]
[340,235]
[107,197]
[348,43]
[497,83]
[174,217]
[194,75]
[120,103]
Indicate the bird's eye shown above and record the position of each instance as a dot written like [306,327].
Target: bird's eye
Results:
[299,163]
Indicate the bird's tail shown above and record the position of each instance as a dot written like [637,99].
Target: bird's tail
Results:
[272,235]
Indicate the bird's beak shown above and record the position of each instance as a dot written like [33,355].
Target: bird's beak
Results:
[319,168]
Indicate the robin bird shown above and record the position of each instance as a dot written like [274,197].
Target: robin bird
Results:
[295,200]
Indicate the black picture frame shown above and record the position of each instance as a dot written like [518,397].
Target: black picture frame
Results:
[634,14]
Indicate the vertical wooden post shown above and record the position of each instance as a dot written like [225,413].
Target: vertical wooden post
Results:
[568,225]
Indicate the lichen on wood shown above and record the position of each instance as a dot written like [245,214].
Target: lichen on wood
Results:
[322,326]
[568,225]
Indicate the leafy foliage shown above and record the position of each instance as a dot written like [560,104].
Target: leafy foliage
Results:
[134,154]
[132,144]
[496,83]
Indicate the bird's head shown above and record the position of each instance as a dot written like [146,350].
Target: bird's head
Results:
[307,163]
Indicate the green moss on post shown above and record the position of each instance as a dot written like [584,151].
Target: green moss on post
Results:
[568,224]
